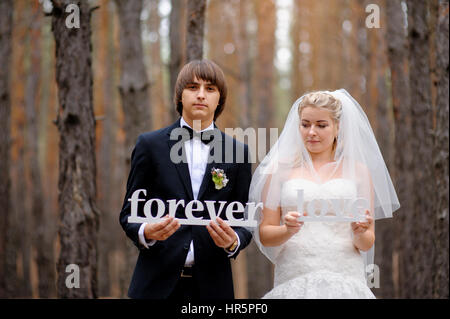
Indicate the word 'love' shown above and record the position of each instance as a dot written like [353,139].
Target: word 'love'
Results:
[332,209]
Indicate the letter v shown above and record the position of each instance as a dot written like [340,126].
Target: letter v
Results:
[212,209]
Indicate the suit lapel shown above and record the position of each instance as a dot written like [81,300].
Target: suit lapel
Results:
[182,167]
[206,179]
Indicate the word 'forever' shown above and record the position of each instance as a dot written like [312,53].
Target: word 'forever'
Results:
[191,207]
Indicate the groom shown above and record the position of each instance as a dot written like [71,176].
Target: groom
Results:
[187,261]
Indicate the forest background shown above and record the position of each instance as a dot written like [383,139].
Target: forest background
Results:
[73,101]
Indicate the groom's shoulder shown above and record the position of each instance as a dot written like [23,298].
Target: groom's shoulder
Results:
[155,136]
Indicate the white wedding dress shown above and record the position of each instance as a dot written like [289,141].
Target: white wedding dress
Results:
[320,261]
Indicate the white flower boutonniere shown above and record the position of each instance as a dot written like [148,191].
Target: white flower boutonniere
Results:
[219,178]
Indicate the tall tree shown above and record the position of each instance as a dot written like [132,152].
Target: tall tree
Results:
[383,126]
[79,216]
[177,35]
[397,58]
[134,83]
[18,251]
[48,147]
[6,22]
[265,12]
[42,240]
[440,156]
[104,103]
[245,65]
[160,116]
[222,48]
[260,267]
[419,279]
[299,17]
[134,92]
[195,29]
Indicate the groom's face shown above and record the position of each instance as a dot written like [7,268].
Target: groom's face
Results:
[200,99]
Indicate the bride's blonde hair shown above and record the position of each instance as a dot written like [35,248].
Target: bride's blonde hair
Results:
[322,100]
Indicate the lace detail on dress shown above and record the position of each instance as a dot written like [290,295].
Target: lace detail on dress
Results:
[320,261]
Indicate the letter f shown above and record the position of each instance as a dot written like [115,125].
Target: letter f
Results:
[134,201]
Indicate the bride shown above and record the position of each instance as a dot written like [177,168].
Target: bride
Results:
[328,150]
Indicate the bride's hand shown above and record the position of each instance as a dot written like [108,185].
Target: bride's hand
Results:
[292,223]
[359,228]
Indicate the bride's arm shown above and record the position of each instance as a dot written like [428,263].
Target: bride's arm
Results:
[271,233]
[364,233]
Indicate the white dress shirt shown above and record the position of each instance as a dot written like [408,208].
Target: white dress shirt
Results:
[197,157]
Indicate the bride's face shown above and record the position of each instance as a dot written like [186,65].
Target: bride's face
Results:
[318,130]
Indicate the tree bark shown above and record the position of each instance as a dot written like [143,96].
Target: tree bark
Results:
[161,117]
[105,106]
[6,22]
[419,278]
[79,217]
[48,148]
[135,96]
[177,35]
[134,84]
[384,130]
[440,156]
[265,11]
[259,266]
[397,58]
[195,29]
[245,66]
[298,61]
[42,240]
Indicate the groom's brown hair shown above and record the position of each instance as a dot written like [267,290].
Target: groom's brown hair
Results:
[205,70]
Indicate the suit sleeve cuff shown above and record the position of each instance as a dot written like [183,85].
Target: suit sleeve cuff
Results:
[142,240]
[231,253]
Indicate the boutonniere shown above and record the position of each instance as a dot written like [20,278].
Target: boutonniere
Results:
[219,178]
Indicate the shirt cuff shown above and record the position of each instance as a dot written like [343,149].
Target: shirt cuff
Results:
[142,240]
[231,253]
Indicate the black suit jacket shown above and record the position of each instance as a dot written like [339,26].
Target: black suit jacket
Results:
[158,268]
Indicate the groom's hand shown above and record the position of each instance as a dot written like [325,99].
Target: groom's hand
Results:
[221,233]
[162,230]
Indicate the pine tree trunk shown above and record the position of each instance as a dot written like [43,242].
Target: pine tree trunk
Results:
[259,266]
[420,276]
[6,22]
[397,57]
[245,66]
[265,11]
[104,95]
[384,127]
[195,29]
[48,150]
[135,96]
[440,156]
[297,58]
[79,217]
[134,84]
[177,35]
[161,117]
[42,242]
